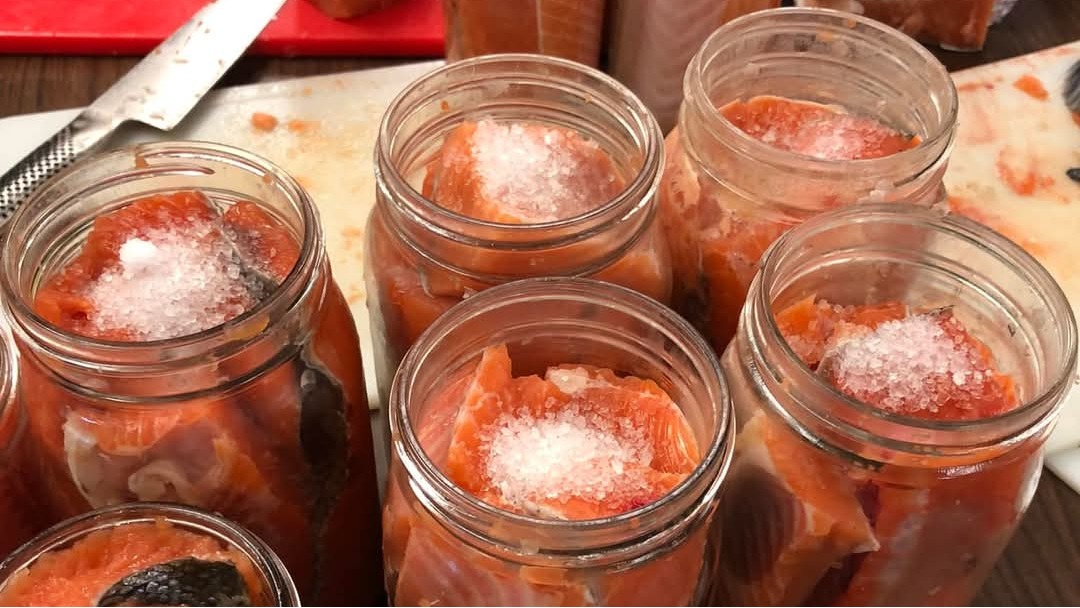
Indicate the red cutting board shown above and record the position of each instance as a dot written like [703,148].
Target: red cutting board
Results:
[134,27]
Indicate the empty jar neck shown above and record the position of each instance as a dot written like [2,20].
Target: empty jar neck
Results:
[51,228]
[508,89]
[277,588]
[826,57]
[546,322]
[899,253]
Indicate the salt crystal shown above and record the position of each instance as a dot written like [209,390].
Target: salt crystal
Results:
[563,455]
[570,381]
[171,282]
[906,365]
[532,171]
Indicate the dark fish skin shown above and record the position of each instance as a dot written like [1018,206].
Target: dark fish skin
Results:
[182,582]
[324,439]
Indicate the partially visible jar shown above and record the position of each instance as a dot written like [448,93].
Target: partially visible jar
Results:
[444,545]
[146,554]
[650,43]
[955,25]
[570,29]
[895,375]
[182,339]
[727,194]
[19,510]
[424,257]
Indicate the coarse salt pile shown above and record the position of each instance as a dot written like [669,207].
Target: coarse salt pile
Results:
[564,455]
[829,136]
[907,365]
[540,173]
[170,283]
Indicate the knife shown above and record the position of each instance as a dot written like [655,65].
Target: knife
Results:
[159,91]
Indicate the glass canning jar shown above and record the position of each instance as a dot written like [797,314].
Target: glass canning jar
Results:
[726,195]
[18,506]
[443,545]
[88,554]
[262,418]
[424,258]
[835,501]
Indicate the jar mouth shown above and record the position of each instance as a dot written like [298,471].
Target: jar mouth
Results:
[647,523]
[498,74]
[836,28]
[853,417]
[182,164]
[279,585]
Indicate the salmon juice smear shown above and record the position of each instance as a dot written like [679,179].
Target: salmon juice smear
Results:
[573,482]
[208,358]
[789,113]
[892,416]
[145,554]
[498,168]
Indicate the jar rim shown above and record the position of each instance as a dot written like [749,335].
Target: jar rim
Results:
[310,241]
[1013,422]
[705,478]
[838,23]
[280,586]
[641,124]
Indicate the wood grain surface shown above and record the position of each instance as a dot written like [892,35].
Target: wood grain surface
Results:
[1042,564]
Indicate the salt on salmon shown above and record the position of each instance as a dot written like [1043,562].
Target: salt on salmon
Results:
[575,443]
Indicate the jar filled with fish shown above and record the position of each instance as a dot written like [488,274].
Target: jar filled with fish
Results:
[557,442]
[788,113]
[895,374]
[146,554]
[507,167]
[570,29]
[183,340]
[19,510]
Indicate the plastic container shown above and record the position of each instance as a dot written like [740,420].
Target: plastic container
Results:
[570,29]
[262,417]
[844,89]
[955,25]
[82,561]
[445,545]
[893,466]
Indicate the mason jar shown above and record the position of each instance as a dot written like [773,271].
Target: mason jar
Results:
[244,395]
[424,257]
[882,462]
[154,554]
[728,192]
[18,507]
[445,545]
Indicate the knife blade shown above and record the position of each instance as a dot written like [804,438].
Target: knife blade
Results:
[159,91]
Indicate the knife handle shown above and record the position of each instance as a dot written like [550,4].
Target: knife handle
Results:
[44,162]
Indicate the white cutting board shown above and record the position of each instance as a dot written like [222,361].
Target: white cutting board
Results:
[332,158]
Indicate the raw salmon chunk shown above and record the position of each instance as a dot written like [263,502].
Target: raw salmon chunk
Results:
[815,529]
[579,443]
[576,443]
[95,567]
[810,129]
[520,173]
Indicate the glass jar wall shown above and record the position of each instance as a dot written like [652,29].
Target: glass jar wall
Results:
[183,340]
[556,442]
[787,113]
[507,167]
[895,374]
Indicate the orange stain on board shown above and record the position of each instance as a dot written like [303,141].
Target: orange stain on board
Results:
[971,210]
[300,126]
[1032,86]
[1076,118]
[1023,181]
[263,122]
[978,85]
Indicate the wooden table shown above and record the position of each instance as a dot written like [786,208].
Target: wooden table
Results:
[1040,567]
